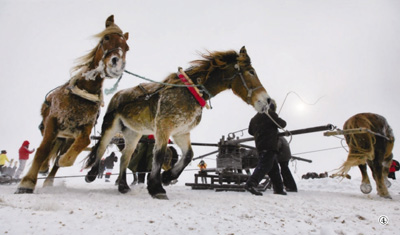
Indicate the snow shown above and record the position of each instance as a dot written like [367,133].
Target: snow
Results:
[322,206]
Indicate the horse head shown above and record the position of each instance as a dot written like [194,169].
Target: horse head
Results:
[230,70]
[247,85]
[109,58]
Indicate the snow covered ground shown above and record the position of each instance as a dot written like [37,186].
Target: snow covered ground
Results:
[322,206]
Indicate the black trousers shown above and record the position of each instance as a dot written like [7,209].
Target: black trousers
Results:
[267,164]
[287,176]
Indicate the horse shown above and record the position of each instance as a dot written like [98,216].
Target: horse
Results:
[373,147]
[172,110]
[70,111]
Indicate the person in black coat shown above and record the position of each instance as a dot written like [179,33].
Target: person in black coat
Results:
[109,165]
[284,157]
[264,128]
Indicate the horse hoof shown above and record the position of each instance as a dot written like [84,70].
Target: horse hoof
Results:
[366,188]
[161,196]
[90,178]
[386,196]
[124,189]
[24,191]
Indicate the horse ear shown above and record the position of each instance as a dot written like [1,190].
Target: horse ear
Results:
[243,55]
[110,21]
[126,36]
[243,50]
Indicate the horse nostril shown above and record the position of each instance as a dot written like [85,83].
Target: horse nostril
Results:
[268,100]
[114,60]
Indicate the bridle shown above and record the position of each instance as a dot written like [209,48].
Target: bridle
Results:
[107,52]
[249,91]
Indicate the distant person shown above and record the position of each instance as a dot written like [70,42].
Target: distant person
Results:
[10,170]
[23,158]
[3,160]
[265,131]
[109,165]
[393,168]
[203,166]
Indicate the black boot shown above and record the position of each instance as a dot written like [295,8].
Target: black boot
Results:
[252,190]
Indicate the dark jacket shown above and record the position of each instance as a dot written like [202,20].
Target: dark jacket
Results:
[109,161]
[284,150]
[265,131]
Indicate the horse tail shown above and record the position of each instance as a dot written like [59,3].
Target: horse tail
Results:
[361,145]
[91,159]
[108,121]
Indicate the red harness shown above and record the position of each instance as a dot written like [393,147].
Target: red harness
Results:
[192,90]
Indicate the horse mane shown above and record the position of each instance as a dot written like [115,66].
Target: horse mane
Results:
[215,60]
[84,61]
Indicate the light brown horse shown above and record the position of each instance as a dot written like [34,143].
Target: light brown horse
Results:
[70,111]
[166,111]
[373,148]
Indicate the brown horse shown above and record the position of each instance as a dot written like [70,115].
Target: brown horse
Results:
[168,110]
[372,147]
[70,111]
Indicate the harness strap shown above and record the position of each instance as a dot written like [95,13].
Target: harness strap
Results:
[83,93]
[194,90]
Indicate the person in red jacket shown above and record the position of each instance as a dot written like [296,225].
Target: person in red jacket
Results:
[23,158]
[393,168]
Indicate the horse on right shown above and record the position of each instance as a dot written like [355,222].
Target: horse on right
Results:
[373,147]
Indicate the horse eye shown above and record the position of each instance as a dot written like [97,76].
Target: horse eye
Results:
[252,72]
[106,37]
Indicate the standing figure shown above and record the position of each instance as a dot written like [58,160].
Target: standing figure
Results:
[284,157]
[3,159]
[203,166]
[264,128]
[395,166]
[23,158]
[109,165]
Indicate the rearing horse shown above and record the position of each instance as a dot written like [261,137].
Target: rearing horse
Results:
[71,110]
[166,111]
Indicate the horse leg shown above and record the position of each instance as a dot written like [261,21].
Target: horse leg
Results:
[183,141]
[109,129]
[365,186]
[377,171]
[28,182]
[80,143]
[387,162]
[154,185]
[130,147]
[60,147]
[50,178]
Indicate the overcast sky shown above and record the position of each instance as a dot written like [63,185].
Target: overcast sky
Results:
[346,52]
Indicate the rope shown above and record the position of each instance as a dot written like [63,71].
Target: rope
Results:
[319,150]
[114,88]
[162,83]
[202,88]
[301,99]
